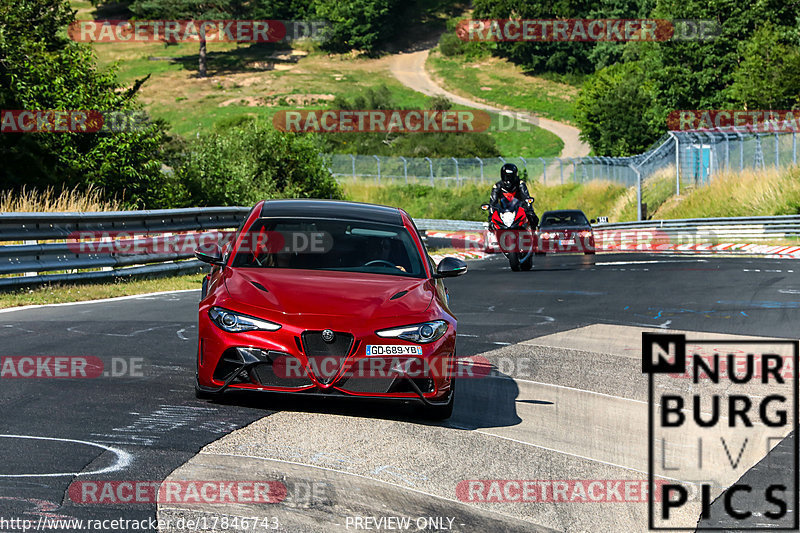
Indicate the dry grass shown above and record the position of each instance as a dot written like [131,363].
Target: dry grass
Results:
[49,201]
[751,193]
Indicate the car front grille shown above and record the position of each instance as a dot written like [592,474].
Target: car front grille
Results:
[326,358]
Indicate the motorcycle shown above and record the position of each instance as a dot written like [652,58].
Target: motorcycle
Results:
[513,232]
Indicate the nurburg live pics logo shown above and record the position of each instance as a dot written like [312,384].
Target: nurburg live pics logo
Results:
[722,435]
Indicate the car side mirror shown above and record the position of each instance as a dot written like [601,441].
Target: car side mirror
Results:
[485,207]
[450,267]
[209,253]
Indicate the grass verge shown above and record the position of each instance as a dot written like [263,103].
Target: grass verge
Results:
[499,82]
[53,294]
[463,203]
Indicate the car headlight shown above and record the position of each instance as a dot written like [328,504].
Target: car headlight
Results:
[586,233]
[421,333]
[237,323]
[549,235]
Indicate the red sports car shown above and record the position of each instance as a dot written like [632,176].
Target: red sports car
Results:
[321,297]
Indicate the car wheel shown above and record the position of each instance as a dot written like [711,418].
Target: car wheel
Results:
[442,412]
[513,261]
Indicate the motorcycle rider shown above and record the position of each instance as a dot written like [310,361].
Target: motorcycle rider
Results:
[510,183]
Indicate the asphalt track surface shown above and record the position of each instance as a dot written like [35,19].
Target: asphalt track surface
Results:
[144,427]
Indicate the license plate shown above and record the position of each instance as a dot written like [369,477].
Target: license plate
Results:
[393,349]
[568,242]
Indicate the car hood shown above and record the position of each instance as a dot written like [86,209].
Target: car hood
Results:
[330,293]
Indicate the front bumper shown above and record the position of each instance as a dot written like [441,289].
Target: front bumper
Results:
[282,362]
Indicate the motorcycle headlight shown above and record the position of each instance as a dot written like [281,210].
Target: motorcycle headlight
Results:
[421,333]
[507,218]
[237,323]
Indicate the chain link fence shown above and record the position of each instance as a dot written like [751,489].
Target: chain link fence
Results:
[695,157]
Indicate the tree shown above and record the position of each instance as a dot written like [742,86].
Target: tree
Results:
[241,165]
[41,70]
[357,24]
[769,75]
[618,111]
[696,74]
[194,10]
[561,57]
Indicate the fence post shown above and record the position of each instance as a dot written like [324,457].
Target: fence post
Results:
[741,149]
[677,163]
[378,159]
[544,171]
[561,164]
[638,193]
[430,164]
[777,152]
[458,178]
[481,162]
[405,168]
[354,166]
[794,147]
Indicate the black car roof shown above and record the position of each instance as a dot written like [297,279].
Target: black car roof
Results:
[564,211]
[332,209]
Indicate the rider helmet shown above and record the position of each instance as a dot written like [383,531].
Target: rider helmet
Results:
[509,176]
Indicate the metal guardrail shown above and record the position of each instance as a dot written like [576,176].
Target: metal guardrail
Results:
[757,228]
[61,232]
[133,242]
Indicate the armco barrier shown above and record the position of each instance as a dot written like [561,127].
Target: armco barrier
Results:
[54,247]
[41,247]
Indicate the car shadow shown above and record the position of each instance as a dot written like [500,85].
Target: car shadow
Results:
[482,401]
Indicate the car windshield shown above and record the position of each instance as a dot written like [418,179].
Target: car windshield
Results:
[564,219]
[326,244]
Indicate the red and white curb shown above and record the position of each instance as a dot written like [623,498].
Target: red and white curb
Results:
[631,242]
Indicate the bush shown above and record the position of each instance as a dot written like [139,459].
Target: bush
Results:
[241,166]
[451,45]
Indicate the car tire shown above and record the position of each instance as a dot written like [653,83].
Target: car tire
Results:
[442,412]
[513,261]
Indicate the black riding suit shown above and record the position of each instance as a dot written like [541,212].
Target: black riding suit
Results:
[520,193]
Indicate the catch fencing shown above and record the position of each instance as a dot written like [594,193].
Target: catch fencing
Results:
[692,158]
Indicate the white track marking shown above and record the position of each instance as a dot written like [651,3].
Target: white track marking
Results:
[123,457]
[655,261]
[103,300]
